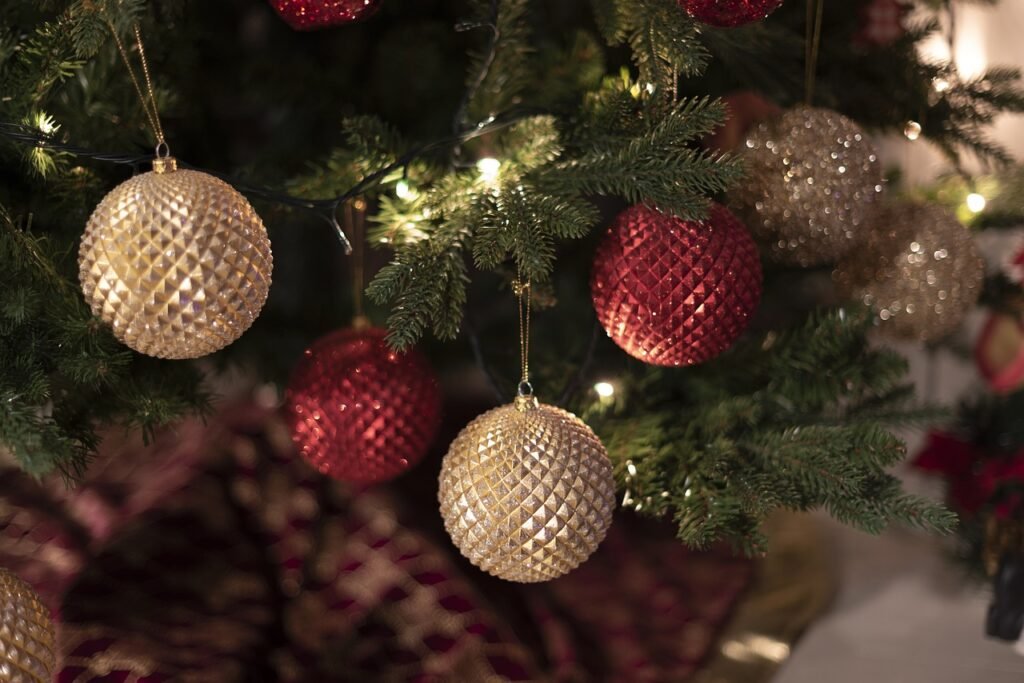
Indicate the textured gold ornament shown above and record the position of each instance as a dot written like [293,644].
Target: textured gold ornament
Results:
[527,492]
[813,182]
[919,269]
[176,261]
[28,640]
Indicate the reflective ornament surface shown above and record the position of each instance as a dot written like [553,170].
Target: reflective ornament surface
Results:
[813,183]
[28,639]
[176,262]
[527,492]
[919,269]
[729,13]
[672,292]
[359,411]
[309,15]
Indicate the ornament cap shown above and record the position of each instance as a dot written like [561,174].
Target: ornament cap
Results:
[526,402]
[165,165]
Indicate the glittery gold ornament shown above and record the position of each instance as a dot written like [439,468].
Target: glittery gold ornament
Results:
[527,492]
[28,640]
[176,261]
[813,182]
[918,268]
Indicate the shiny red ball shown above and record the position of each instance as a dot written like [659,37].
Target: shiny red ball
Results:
[729,13]
[309,15]
[673,292]
[359,411]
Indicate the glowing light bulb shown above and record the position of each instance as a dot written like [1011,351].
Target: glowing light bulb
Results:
[941,85]
[604,389]
[489,169]
[404,191]
[912,130]
[976,202]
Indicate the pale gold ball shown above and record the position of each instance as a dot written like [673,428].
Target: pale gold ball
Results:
[176,262]
[813,182]
[919,269]
[527,492]
[28,639]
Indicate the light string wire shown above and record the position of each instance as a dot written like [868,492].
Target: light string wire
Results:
[355,223]
[812,47]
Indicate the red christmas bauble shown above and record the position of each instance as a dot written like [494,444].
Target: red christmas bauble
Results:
[309,15]
[673,292]
[359,411]
[729,13]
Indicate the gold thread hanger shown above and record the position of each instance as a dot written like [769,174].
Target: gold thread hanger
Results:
[147,98]
[812,47]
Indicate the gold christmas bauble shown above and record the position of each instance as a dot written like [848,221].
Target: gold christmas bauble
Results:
[812,184]
[28,640]
[527,492]
[176,261]
[918,268]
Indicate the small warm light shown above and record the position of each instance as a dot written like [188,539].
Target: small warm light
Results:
[489,169]
[404,191]
[976,202]
[912,130]
[651,88]
[46,124]
[940,85]
[604,389]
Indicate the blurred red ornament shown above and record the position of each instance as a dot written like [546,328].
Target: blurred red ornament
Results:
[673,292]
[359,411]
[309,15]
[882,23]
[729,13]
[999,352]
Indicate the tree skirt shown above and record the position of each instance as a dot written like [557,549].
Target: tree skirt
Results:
[216,555]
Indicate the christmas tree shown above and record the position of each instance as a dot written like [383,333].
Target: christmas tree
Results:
[547,205]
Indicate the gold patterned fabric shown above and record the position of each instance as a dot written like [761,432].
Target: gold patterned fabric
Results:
[28,649]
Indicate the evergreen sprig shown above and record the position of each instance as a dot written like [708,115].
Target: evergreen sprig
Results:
[720,447]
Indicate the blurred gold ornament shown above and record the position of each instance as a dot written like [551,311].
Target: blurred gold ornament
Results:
[28,640]
[813,181]
[176,261]
[527,492]
[919,269]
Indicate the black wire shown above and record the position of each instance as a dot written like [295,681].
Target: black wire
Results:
[325,208]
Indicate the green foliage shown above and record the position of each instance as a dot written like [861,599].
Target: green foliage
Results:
[776,423]
[63,373]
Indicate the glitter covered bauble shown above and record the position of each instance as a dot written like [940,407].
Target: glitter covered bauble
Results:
[919,269]
[673,292]
[359,411]
[308,15]
[527,492]
[176,262]
[28,640]
[729,13]
[813,182]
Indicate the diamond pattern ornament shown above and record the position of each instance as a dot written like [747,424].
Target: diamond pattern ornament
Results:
[359,411]
[813,183]
[919,269]
[28,640]
[176,262]
[309,15]
[729,13]
[672,292]
[527,492]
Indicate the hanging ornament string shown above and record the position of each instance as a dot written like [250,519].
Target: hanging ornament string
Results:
[355,225]
[812,46]
[524,296]
[148,97]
